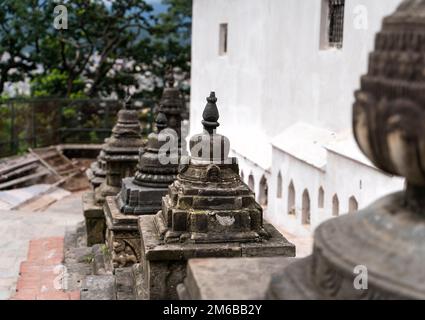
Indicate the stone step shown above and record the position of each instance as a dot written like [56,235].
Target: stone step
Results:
[101,260]
[75,236]
[124,284]
[89,269]
[99,287]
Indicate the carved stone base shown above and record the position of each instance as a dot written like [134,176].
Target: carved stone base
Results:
[95,220]
[137,200]
[163,266]
[122,235]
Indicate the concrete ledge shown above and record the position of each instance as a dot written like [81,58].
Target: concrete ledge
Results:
[164,265]
[95,220]
[230,279]
[155,249]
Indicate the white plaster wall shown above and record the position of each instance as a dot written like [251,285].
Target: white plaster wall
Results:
[304,176]
[248,167]
[274,73]
[342,177]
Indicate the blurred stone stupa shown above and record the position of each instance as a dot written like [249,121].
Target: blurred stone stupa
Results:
[172,104]
[118,159]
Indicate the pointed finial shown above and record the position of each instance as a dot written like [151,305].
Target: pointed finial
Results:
[161,121]
[210,114]
[169,77]
[127,101]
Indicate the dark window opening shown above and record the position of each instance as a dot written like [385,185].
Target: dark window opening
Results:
[223,39]
[336,23]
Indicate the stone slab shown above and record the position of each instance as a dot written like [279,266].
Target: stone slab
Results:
[94,218]
[163,265]
[230,279]
[18,227]
[154,249]
[115,220]
[90,208]
[100,287]
[124,283]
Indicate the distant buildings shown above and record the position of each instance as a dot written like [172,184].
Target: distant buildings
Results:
[285,73]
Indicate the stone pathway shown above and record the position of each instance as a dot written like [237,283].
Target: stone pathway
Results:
[17,228]
[41,276]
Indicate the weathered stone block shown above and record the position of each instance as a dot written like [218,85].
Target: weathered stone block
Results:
[163,266]
[222,279]
[122,236]
[136,200]
[94,220]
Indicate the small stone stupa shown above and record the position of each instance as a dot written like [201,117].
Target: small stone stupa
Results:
[173,106]
[120,155]
[141,194]
[97,171]
[208,212]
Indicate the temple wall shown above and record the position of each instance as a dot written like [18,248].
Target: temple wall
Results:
[248,168]
[275,74]
[274,67]
[303,177]
[343,177]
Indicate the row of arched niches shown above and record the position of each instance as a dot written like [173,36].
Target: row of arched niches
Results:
[306,205]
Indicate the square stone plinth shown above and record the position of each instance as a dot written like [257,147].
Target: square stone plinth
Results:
[139,200]
[230,279]
[122,235]
[163,266]
[95,220]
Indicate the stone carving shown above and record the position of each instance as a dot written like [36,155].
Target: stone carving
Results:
[208,212]
[388,237]
[172,105]
[125,248]
[156,170]
[121,152]
[97,171]
[116,161]
[142,193]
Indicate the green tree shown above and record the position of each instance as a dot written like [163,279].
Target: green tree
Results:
[21,27]
[99,35]
[107,47]
[171,36]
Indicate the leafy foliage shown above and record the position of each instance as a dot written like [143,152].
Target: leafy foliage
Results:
[109,46]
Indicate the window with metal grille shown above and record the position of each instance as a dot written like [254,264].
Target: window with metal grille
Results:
[336,23]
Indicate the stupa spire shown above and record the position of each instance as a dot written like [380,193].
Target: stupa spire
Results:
[161,121]
[210,114]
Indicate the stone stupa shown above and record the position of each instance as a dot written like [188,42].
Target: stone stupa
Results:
[97,171]
[172,104]
[120,156]
[141,194]
[208,212]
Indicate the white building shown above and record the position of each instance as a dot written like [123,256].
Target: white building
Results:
[285,72]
